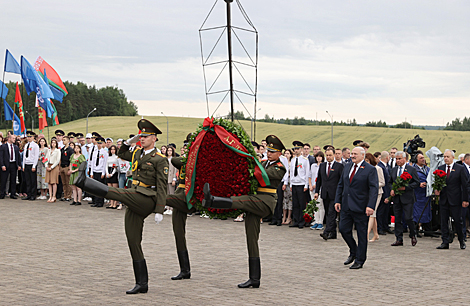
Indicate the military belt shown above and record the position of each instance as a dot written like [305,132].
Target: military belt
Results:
[139,183]
[266,190]
[181,186]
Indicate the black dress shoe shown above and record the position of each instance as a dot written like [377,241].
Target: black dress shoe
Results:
[62,199]
[294,225]
[73,203]
[349,260]
[382,233]
[27,198]
[94,205]
[463,246]
[279,223]
[32,199]
[332,236]
[397,243]
[13,197]
[273,222]
[356,266]
[388,230]
[324,236]
[301,226]
[2,196]
[414,241]
[78,203]
[443,246]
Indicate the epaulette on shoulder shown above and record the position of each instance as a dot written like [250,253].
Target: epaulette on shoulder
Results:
[160,154]
[279,164]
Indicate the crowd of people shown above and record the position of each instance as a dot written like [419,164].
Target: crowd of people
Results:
[34,168]
[316,176]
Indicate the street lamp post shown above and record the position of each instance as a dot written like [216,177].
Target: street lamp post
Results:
[32,121]
[87,119]
[331,116]
[167,131]
[253,139]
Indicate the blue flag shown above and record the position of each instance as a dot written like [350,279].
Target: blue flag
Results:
[9,115]
[11,65]
[58,94]
[3,90]
[32,81]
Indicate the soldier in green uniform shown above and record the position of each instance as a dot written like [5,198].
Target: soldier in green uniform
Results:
[148,194]
[179,216]
[257,206]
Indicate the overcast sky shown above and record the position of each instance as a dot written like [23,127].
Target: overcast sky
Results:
[369,60]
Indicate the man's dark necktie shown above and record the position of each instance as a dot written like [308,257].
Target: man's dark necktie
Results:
[296,172]
[329,169]
[11,152]
[97,158]
[27,150]
[91,155]
[448,171]
[352,174]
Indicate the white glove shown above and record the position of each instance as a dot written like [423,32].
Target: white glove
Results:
[134,139]
[158,218]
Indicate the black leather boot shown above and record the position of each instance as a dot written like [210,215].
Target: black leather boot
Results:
[88,184]
[254,266]
[185,270]
[141,277]
[215,202]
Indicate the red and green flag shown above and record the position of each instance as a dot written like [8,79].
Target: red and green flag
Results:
[42,118]
[19,103]
[54,79]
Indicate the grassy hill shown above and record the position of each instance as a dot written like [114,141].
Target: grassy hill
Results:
[379,138]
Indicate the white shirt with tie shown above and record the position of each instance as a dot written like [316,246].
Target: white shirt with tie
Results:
[11,152]
[329,164]
[352,168]
[31,154]
[303,171]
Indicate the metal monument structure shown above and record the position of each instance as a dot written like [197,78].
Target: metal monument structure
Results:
[230,67]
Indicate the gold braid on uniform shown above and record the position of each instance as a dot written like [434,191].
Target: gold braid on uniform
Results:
[136,164]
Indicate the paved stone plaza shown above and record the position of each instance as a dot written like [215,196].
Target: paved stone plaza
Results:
[57,254]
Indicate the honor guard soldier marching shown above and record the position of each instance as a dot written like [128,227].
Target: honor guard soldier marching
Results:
[259,205]
[148,193]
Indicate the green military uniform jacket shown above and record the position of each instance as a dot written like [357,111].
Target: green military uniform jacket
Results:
[275,172]
[151,171]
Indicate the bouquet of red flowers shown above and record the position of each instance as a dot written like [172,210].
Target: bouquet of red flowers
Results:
[75,166]
[402,181]
[439,178]
[310,210]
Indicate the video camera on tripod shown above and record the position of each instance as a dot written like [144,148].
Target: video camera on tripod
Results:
[412,145]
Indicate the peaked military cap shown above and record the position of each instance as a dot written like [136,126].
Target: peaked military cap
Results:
[95,134]
[71,134]
[79,135]
[59,133]
[148,128]
[274,144]
[255,144]
[328,146]
[30,133]
[297,144]
[356,142]
[188,138]
[99,139]
[172,145]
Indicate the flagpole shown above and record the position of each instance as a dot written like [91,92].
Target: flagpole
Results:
[1,95]
[13,119]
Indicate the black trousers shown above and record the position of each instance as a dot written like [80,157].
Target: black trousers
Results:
[298,204]
[405,210]
[346,222]
[11,172]
[97,176]
[456,213]
[277,216]
[31,181]
[382,215]
[331,215]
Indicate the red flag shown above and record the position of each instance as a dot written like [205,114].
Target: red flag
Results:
[19,102]
[52,75]
[42,119]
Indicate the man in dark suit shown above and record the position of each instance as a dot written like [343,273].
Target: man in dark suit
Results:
[328,177]
[452,198]
[384,208]
[403,204]
[10,164]
[356,197]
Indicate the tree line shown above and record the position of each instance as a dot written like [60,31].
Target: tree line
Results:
[459,125]
[109,101]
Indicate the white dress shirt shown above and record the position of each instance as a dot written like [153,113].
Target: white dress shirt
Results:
[11,149]
[357,168]
[331,166]
[303,171]
[102,155]
[91,155]
[32,149]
